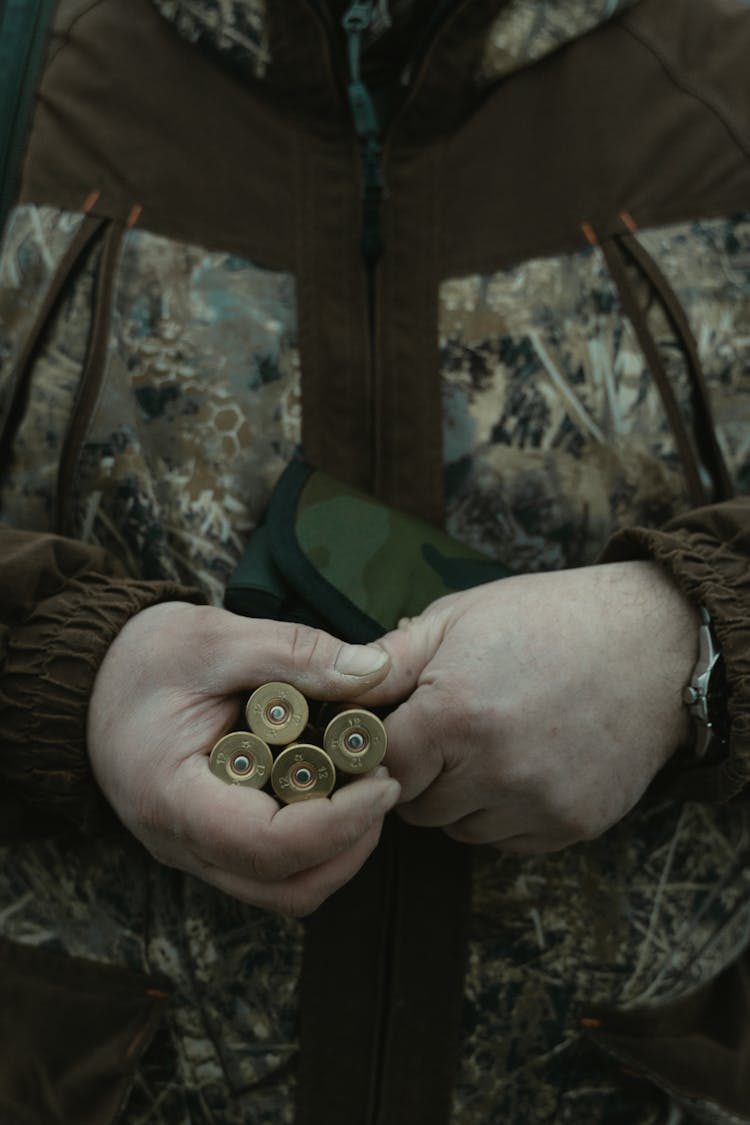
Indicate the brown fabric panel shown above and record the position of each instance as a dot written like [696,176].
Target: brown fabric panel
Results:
[408,406]
[596,129]
[704,53]
[128,109]
[706,551]
[698,1046]
[72,1033]
[382,986]
[342,994]
[61,606]
[429,951]
[333,315]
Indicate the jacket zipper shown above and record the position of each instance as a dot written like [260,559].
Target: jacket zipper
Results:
[372,135]
[356,21]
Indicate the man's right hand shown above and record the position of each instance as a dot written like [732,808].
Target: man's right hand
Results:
[171,684]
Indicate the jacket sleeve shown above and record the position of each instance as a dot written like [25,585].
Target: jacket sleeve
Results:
[61,605]
[707,552]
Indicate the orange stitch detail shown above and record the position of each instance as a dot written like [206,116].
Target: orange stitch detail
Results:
[157,993]
[629,221]
[591,1023]
[134,216]
[90,201]
[590,234]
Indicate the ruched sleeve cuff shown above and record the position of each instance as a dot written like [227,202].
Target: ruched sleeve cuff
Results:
[51,658]
[707,552]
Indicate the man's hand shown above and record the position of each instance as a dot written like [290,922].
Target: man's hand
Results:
[170,685]
[542,705]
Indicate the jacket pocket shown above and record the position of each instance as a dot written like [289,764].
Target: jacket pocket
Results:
[71,1034]
[696,1048]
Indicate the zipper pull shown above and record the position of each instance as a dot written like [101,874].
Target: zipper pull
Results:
[358,17]
[356,20]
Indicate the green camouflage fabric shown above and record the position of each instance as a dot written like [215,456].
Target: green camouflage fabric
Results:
[392,565]
[382,563]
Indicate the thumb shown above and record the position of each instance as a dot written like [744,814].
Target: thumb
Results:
[409,649]
[318,664]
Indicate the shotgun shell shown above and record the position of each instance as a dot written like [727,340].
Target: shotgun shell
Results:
[277,713]
[301,772]
[240,758]
[356,741]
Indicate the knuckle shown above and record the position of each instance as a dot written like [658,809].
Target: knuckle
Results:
[264,861]
[461,833]
[278,855]
[571,822]
[305,646]
[467,715]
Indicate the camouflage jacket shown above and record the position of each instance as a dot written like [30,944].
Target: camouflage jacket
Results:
[547,355]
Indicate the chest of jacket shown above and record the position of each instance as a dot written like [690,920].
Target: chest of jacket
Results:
[483,371]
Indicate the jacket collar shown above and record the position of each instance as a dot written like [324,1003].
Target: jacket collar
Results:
[295,53]
[522,31]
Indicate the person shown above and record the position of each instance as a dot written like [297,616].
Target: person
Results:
[488,261]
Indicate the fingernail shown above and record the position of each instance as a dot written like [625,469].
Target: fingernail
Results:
[381,772]
[360,660]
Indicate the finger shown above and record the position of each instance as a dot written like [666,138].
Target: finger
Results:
[414,756]
[454,796]
[245,652]
[484,826]
[410,649]
[299,894]
[244,832]
[481,828]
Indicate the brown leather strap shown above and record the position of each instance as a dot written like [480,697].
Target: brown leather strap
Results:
[699,494]
[382,987]
[15,405]
[91,376]
[704,427]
